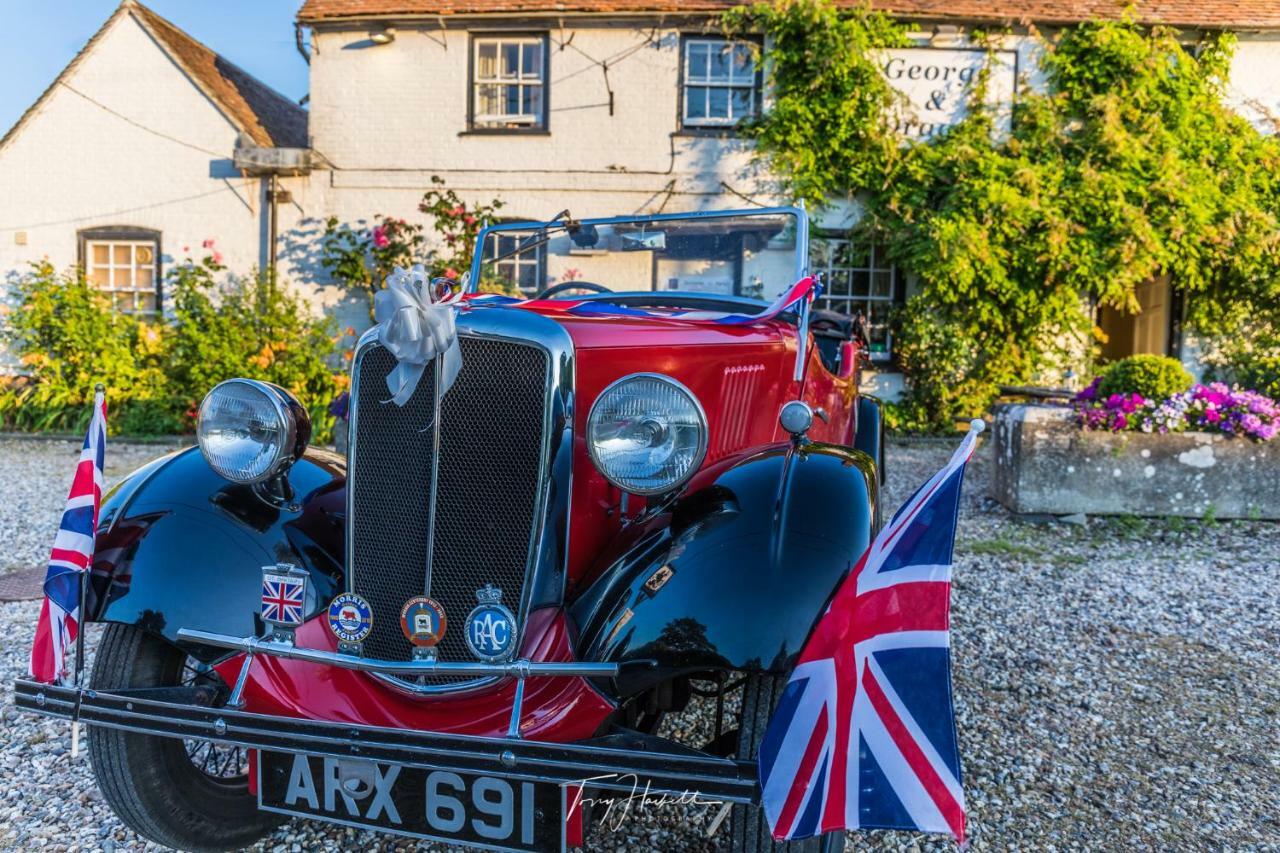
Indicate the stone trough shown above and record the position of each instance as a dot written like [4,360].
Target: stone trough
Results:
[1046,464]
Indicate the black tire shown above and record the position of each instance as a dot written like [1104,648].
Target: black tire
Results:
[152,784]
[748,827]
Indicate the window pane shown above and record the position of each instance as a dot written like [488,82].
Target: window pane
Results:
[742,103]
[100,276]
[532,101]
[820,254]
[146,301]
[718,103]
[532,66]
[143,278]
[486,60]
[510,60]
[839,283]
[487,99]
[861,283]
[851,255]
[697,60]
[121,255]
[695,102]
[528,276]
[744,63]
[100,253]
[882,284]
[721,54]
[510,100]
[143,255]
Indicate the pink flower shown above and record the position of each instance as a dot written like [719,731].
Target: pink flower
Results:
[450,272]
[1212,416]
[470,220]
[217,257]
[207,244]
[458,211]
[380,238]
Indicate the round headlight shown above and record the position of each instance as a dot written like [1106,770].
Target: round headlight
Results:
[251,431]
[647,434]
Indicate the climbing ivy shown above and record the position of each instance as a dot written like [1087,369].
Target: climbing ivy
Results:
[1126,165]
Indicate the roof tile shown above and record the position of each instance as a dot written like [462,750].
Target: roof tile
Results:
[1207,14]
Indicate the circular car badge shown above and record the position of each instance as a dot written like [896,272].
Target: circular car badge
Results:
[491,627]
[350,618]
[423,621]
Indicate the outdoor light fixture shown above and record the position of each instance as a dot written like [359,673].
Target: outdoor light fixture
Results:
[384,36]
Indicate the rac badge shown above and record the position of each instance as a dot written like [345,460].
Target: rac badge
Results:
[423,622]
[350,620]
[491,627]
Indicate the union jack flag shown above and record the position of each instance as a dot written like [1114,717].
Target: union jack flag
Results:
[59,622]
[864,733]
[282,598]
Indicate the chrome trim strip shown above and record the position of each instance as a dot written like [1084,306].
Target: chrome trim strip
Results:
[408,668]
[548,539]
[434,426]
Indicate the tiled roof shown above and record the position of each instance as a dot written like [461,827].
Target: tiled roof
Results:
[1209,14]
[268,117]
[262,112]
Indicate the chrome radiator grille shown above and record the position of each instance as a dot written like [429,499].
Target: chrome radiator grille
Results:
[486,483]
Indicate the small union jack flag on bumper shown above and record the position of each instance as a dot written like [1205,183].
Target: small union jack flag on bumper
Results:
[284,595]
[864,733]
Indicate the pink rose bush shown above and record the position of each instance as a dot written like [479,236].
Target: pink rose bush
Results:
[1215,407]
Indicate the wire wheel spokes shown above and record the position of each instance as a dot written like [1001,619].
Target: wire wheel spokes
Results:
[217,761]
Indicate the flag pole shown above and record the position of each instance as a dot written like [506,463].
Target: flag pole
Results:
[99,390]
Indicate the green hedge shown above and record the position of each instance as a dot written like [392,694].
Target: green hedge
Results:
[156,372]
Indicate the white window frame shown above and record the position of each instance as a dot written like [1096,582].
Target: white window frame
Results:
[121,278]
[503,121]
[848,303]
[531,257]
[708,82]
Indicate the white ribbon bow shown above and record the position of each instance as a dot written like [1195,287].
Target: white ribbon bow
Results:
[416,327]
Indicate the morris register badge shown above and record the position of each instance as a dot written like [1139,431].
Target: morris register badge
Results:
[350,620]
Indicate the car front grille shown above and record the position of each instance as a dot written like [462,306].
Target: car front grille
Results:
[486,483]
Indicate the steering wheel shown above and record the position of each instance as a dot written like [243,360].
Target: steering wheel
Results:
[565,286]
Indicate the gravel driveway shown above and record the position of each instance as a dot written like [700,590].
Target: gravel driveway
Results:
[1117,684]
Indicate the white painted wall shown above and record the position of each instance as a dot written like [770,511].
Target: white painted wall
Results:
[76,165]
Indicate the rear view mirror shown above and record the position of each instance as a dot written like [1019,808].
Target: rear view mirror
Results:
[637,241]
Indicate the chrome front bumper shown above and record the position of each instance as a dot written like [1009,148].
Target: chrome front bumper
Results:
[624,761]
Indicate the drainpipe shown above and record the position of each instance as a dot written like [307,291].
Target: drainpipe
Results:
[273,198]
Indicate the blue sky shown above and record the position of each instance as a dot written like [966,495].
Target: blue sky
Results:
[39,39]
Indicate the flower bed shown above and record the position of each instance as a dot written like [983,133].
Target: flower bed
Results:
[1213,408]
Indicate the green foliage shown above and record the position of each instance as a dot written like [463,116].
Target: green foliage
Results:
[1127,167]
[252,328]
[363,257]
[68,338]
[1155,377]
[457,227]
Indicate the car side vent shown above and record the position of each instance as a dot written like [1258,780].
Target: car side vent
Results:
[738,391]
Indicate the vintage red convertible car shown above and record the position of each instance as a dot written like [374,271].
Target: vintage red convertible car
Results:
[501,609]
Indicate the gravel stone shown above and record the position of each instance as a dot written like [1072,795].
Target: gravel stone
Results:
[1117,685]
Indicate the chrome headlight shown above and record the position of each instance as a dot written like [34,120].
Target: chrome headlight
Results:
[251,431]
[647,433]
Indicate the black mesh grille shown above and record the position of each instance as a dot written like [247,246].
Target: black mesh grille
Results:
[491,450]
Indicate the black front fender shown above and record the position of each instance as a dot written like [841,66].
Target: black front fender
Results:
[737,579]
[180,547]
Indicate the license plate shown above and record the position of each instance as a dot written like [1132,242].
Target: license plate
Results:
[442,805]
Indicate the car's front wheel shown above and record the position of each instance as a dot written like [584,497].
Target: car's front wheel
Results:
[749,829]
[192,795]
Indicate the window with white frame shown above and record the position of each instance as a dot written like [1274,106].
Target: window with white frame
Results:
[127,269]
[858,278]
[522,269]
[508,86]
[721,85]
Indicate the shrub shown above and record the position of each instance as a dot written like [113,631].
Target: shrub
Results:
[1153,377]
[68,338]
[1262,374]
[253,328]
